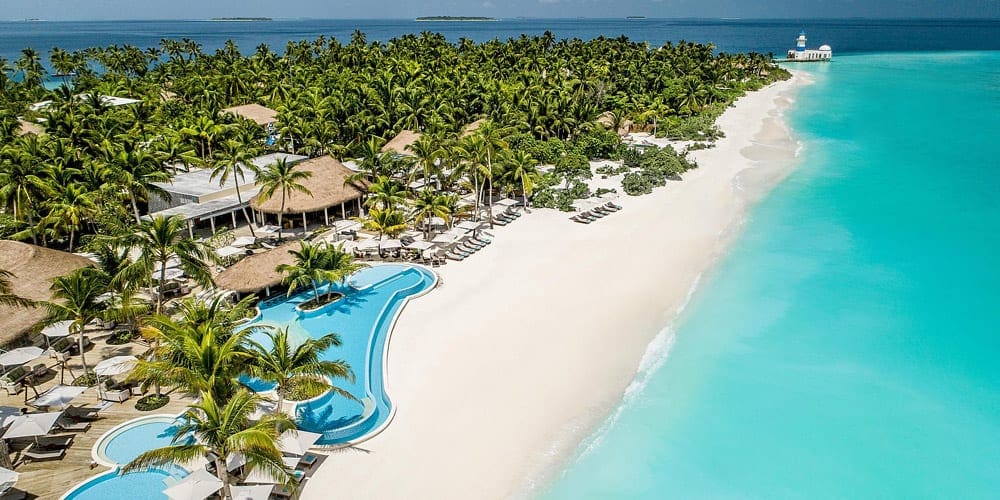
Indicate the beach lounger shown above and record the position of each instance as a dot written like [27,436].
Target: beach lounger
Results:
[58,441]
[454,256]
[580,220]
[594,214]
[70,426]
[82,413]
[307,461]
[34,453]
[11,381]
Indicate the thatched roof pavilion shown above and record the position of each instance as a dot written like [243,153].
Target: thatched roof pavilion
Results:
[401,143]
[256,272]
[327,184]
[472,127]
[256,113]
[34,268]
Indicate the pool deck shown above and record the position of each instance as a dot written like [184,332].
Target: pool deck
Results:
[52,478]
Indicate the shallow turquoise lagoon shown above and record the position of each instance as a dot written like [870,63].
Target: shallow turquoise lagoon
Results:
[363,317]
[847,346]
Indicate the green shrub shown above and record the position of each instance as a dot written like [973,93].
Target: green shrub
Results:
[87,380]
[152,402]
[635,184]
[122,337]
[574,165]
[598,143]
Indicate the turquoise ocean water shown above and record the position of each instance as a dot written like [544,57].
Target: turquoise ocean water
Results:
[847,346]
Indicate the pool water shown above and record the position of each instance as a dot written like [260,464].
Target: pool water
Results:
[362,318]
[147,485]
[132,441]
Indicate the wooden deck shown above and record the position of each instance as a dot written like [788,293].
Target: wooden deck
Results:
[50,479]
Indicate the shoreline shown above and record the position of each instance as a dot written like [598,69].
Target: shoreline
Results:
[502,374]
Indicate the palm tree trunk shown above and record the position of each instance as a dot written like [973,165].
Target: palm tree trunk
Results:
[489,168]
[83,357]
[281,212]
[239,199]
[223,474]
[135,206]
[72,233]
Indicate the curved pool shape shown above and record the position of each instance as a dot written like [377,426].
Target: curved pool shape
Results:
[147,485]
[363,318]
[122,444]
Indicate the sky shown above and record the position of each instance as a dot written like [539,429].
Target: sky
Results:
[404,9]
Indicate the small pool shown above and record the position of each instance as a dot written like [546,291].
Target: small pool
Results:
[363,318]
[122,444]
[146,485]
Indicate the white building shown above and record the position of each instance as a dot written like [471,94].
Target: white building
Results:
[800,53]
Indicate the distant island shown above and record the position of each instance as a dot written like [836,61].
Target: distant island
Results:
[242,19]
[455,18]
[635,17]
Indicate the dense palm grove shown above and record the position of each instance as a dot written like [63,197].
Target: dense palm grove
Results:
[85,178]
[95,165]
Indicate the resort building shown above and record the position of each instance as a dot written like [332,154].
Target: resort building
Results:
[261,115]
[472,128]
[400,145]
[107,100]
[25,127]
[330,194]
[200,199]
[33,268]
[800,53]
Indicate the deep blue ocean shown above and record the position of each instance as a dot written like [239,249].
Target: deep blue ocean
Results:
[847,346]
[777,36]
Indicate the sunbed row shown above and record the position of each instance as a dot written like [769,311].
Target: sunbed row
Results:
[595,213]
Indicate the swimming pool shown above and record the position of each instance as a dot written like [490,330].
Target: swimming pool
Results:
[363,318]
[148,485]
[122,444]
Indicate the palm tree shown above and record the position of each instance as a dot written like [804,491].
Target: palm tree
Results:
[77,297]
[308,269]
[159,239]
[492,141]
[7,295]
[385,221]
[340,265]
[69,209]
[201,357]
[428,205]
[287,364]
[222,429]
[524,169]
[386,193]
[281,176]
[233,160]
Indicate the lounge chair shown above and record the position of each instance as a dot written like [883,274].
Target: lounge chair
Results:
[57,441]
[36,453]
[82,413]
[576,218]
[307,461]
[70,426]
[68,345]
[116,395]
[40,370]
[12,380]
[454,256]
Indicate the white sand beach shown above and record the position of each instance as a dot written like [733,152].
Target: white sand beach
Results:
[527,346]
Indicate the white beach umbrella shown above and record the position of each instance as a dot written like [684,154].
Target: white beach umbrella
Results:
[171,273]
[243,241]
[345,224]
[32,424]
[269,229]
[297,442]
[251,492]
[506,202]
[56,330]
[346,245]
[367,245]
[257,476]
[420,245]
[58,395]
[390,244]
[115,366]
[228,251]
[196,486]
[235,461]
[469,225]
[20,356]
[444,239]
[8,479]
[437,221]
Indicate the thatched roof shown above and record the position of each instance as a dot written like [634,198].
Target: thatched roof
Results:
[472,127]
[33,268]
[256,272]
[607,120]
[25,127]
[401,143]
[327,185]
[255,113]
